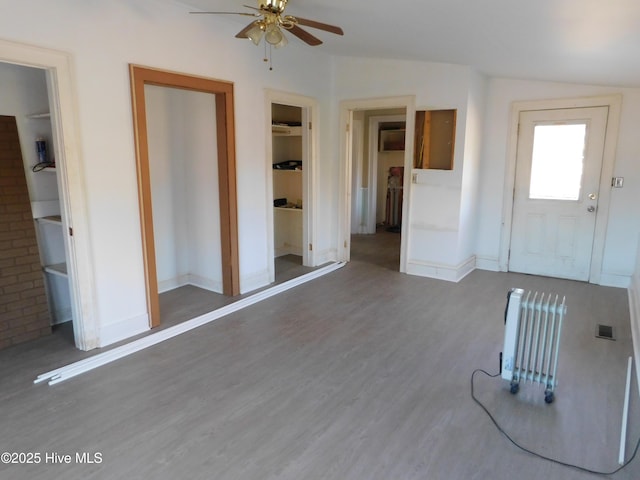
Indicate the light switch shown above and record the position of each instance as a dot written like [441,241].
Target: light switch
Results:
[617,182]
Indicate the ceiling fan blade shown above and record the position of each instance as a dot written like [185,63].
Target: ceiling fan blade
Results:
[305,36]
[320,26]
[228,13]
[252,8]
[243,33]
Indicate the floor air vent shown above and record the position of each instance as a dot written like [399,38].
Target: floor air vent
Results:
[605,331]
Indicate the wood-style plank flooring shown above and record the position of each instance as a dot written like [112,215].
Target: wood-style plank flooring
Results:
[361,374]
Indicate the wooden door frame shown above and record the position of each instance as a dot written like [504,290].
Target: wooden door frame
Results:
[225,131]
[614,103]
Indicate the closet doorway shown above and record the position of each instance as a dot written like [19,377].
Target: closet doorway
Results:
[55,115]
[185,146]
[291,166]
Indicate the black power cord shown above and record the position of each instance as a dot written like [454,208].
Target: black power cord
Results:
[553,460]
[38,167]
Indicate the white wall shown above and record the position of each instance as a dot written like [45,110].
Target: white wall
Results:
[435,244]
[471,169]
[184,184]
[103,38]
[201,186]
[624,216]
[23,91]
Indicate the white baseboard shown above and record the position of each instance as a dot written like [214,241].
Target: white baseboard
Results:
[190,279]
[123,329]
[325,256]
[615,280]
[172,283]
[205,283]
[287,250]
[488,263]
[450,273]
[256,280]
[634,313]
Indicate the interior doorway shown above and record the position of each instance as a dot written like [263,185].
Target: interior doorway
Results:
[199,154]
[56,200]
[290,155]
[291,173]
[378,144]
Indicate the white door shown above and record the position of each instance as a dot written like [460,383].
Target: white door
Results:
[559,160]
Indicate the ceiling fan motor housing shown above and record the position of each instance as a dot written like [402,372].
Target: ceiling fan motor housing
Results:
[273,6]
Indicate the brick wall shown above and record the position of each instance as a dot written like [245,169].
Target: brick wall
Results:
[24,313]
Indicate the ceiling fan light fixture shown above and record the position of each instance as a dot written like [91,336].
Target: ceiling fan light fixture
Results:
[272,23]
[283,42]
[273,35]
[255,33]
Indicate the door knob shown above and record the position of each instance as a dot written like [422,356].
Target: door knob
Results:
[591,208]
[592,196]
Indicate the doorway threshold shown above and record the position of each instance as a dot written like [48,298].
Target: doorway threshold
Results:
[74,369]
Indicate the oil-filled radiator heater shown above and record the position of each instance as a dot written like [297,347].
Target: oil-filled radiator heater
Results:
[533,324]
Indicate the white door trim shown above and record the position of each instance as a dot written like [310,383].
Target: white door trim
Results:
[614,102]
[309,175]
[64,119]
[358,223]
[347,107]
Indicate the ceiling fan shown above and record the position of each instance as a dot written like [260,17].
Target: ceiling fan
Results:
[272,21]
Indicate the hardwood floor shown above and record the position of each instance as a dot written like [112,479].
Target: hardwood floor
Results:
[361,374]
[184,303]
[381,249]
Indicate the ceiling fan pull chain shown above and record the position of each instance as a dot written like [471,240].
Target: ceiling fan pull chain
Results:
[270,59]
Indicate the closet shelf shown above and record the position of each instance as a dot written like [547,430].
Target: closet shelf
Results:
[286,130]
[290,209]
[59,269]
[39,115]
[54,219]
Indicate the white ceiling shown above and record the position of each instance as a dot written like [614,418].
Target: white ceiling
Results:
[582,41]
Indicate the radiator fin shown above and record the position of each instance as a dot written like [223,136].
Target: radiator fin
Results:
[532,338]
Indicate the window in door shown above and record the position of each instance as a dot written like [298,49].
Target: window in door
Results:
[557,161]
